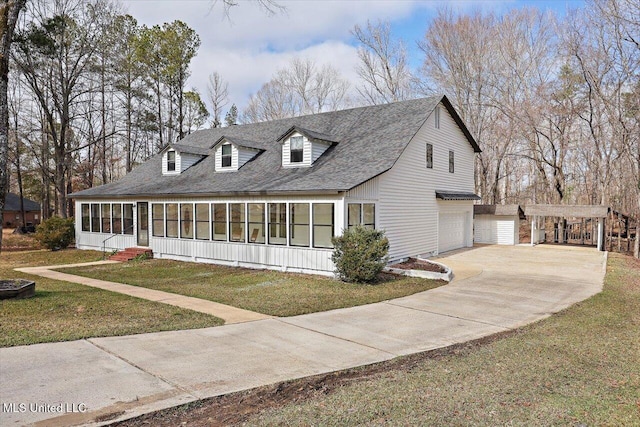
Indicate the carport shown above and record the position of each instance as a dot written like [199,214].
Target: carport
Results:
[584,224]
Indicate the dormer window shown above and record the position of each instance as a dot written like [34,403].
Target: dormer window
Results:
[171,161]
[233,153]
[226,156]
[297,149]
[302,147]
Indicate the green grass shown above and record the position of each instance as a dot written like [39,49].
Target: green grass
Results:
[264,291]
[62,311]
[579,367]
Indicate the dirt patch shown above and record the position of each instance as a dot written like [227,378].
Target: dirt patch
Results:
[418,264]
[236,408]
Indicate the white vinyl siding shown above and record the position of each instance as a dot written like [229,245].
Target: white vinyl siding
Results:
[407,208]
[317,150]
[496,229]
[367,190]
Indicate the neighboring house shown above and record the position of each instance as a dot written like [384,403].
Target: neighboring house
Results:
[273,194]
[12,214]
[497,224]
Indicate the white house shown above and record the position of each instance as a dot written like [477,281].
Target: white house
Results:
[272,194]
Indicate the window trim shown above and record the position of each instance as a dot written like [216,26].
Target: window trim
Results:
[214,222]
[436,118]
[300,150]
[451,162]
[115,218]
[224,156]
[186,221]
[301,224]
[315,226]
[207,209]
[280,225]
[242,222]
[154,220]
[429,155]
[171,163]
[85,227]
[167,220]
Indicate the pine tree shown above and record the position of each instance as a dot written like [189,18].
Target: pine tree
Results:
[232,116]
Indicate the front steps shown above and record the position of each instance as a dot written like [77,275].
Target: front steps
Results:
[130,253]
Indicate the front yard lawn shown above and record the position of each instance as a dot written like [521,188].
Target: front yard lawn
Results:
[62,311]
[264,291]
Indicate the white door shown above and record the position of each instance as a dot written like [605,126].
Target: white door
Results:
[451,231]
[482,229]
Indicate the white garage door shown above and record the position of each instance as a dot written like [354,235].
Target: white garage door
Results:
[451,231]
[495,230]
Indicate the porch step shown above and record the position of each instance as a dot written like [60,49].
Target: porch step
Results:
[130,253]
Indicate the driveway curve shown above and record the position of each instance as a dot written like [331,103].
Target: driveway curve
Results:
[497,288]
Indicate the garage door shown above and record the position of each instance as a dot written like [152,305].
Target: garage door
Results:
[451,231]
[495,230]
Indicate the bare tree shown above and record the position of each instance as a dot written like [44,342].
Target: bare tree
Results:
[299,88]
[53,53]
[383,67]
[218,93]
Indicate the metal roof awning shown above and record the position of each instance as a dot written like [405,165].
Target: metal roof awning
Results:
[451,195]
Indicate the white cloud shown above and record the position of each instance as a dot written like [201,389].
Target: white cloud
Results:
[248,47]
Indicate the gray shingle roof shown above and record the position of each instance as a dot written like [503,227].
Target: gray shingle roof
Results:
[502,210]
[12,203]
[370,141]
[245,143]
[183,148]
[309,134]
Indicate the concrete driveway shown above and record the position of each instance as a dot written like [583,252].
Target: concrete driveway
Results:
[495,288]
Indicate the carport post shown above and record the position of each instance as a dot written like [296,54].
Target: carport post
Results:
[601,234]
[533,228]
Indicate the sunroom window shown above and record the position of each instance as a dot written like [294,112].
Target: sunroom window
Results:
[299,224]
[277,223]
[322,225]
[297,149]
[157,214]
[236,223]
[219,221]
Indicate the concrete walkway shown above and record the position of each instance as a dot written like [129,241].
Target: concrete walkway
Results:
[226,312]
[120,377]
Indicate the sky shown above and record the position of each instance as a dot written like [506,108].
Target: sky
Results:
[248,46]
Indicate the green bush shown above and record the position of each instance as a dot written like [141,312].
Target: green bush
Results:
[360,254]
[55,233]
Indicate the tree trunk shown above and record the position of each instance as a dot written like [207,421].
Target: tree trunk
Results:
[9,11]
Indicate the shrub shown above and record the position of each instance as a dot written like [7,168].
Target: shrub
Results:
[55,233]
[360,254]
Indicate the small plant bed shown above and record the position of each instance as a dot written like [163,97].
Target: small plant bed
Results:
[63,311]
[419,264]
[264,291]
